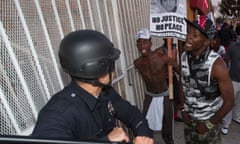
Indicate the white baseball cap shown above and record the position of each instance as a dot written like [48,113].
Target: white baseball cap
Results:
[143,33]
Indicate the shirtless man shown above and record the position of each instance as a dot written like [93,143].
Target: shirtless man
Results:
[153,67]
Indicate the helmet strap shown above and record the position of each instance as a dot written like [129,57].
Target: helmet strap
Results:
[95,82]
[105,86]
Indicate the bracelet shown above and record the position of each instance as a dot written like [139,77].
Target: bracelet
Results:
[209,124]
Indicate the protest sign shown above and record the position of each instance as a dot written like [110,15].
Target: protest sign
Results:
[167,18]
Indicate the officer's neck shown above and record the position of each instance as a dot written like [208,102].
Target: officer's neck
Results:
[93,90]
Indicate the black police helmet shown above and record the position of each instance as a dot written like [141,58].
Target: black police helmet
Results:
[87,54]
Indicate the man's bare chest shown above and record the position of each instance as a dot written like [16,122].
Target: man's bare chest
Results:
[152,66]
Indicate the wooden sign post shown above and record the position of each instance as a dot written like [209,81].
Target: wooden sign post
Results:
[170,69]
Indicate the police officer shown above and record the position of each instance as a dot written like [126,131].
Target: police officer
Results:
[88,107]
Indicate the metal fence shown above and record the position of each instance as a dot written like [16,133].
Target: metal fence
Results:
[30,33]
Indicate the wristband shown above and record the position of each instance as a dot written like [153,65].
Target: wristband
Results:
[209,124]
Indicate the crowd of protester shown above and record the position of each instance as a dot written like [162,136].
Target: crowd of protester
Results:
[229,38]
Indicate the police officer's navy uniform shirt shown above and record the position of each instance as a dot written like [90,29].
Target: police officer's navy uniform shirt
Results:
[73,113]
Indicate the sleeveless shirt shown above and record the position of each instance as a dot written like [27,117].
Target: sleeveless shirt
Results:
[202,96]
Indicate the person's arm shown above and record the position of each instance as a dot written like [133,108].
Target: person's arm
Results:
[172,61]
[220,73]
[136,63]
[58,124]
[51,124]
[130,115]
[186,118]
[176,66]
[132,118]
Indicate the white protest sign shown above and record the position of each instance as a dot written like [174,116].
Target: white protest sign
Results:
[167,18]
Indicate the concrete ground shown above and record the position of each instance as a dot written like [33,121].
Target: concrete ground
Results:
[233,136]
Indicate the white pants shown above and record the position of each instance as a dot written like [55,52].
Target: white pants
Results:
[235,113]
